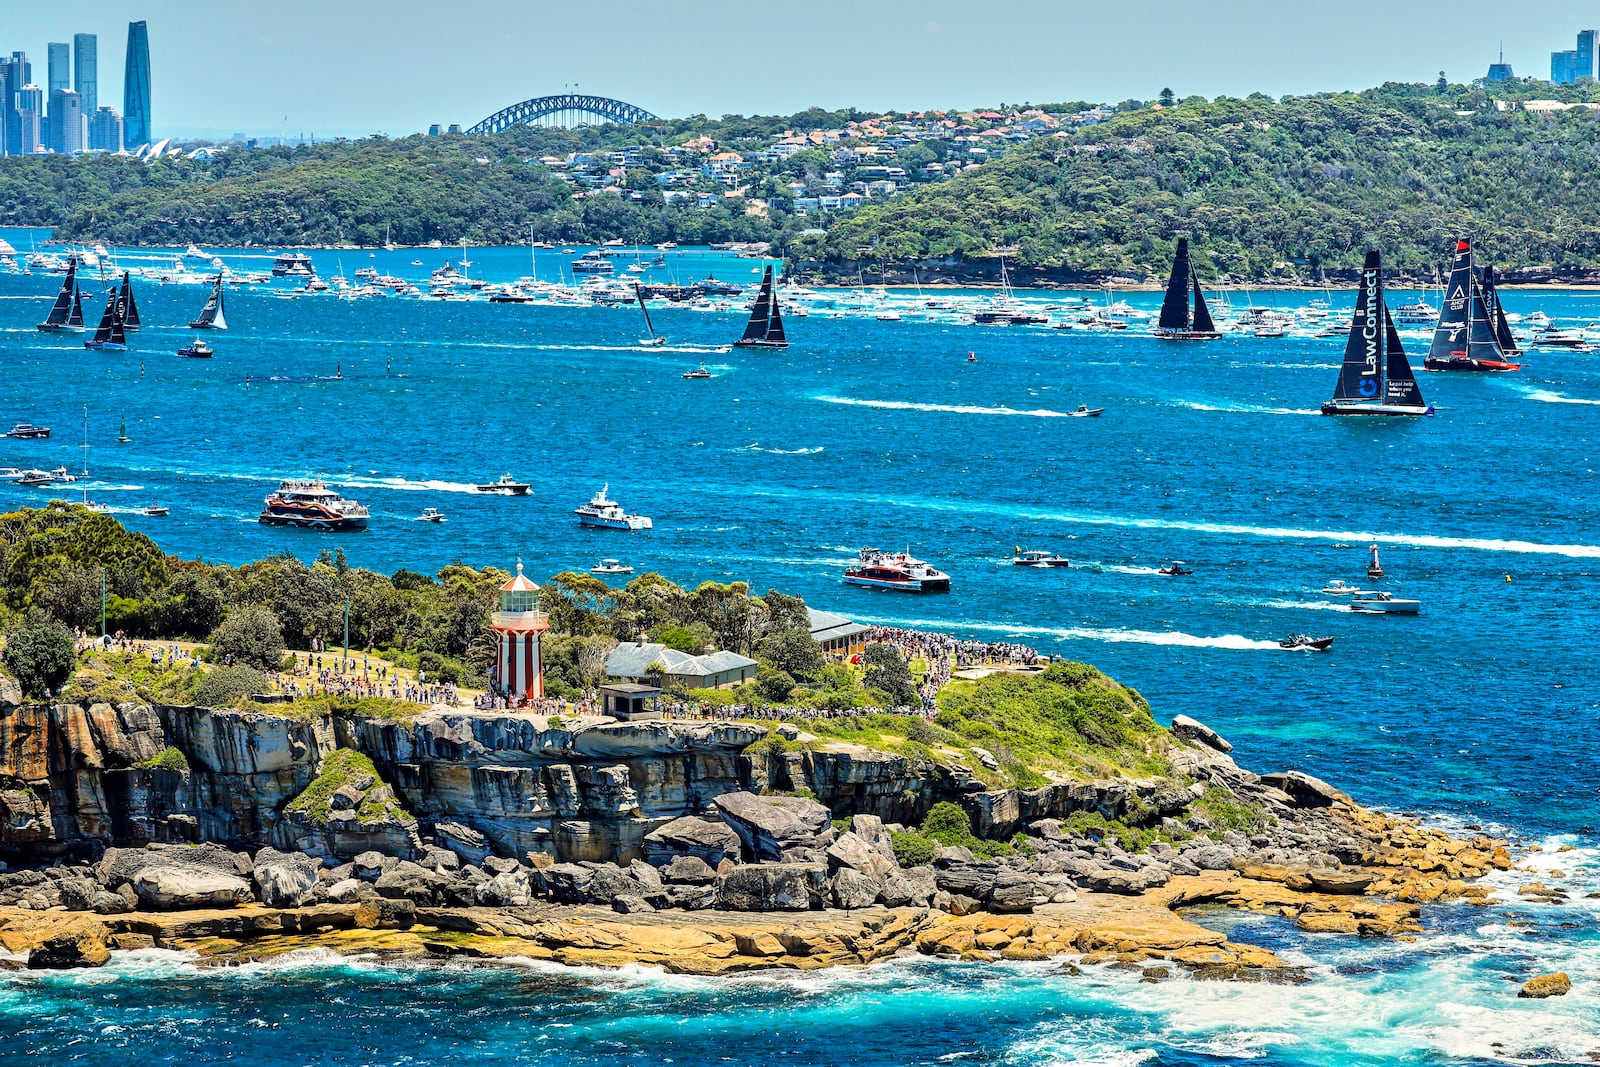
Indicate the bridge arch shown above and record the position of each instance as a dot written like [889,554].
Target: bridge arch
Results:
[568,109]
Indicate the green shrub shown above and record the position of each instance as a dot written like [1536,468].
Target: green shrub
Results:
[223,687]
[913,850]
[40,658]
[339,767]
[251,636]
[947,824]
[168,759]
[922,732]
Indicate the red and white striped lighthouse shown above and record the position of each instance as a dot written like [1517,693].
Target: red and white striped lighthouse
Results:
[519,667]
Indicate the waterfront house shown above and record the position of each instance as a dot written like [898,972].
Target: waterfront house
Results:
[631,661]
[839,637]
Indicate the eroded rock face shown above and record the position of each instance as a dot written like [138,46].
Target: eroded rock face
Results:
[177,887]
[284,880]
[769,827]
[709,840]
[773,887]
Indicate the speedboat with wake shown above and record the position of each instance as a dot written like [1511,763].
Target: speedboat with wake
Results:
[431,515]
[899,571]
[1175,569]
[505,485]
[1038,557]
[197,350]
[1086,412]
[698,375]
[1295,642]
[312,505]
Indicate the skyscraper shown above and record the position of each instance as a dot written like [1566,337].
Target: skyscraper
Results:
[86,70]
[105,130]
[66,122]
[60,64]
[136,88]
[30,109]
[1563,67]
[14,74]
[1587,57]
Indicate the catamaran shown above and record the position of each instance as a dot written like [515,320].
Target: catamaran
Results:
[1467,337]
[129,309]
[655,340]
[765,328]
[1376,377]
[109,335]
[61,310]
[211,316]
[1180,320]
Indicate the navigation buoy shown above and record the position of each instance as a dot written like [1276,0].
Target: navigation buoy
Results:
[1508,577]
[972,357]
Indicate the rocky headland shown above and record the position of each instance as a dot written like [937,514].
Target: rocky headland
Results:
[704,847]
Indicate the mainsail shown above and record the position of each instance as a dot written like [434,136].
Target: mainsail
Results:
[211,316]
[1455,313]
[639,293]
[110,330]
[61,310]
[130,310]
[1361,376]
[1175,306]
[765,328]
[75,319]
[1402,389]
[1502,328]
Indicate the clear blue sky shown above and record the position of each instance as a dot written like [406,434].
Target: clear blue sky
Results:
[356,66]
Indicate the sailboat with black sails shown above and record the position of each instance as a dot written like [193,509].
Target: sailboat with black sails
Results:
[61,311]
[1376,377]
[109,335]
[129,313]
[765,328]
[1180,319]
[1468,334]
[211,316]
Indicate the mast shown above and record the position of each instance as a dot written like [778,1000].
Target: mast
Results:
[1175,306]
[639,293]
[130,310]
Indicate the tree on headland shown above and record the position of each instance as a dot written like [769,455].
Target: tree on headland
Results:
[1167,98]
[251,636]
[40,657]
[1441,86]
[886,671]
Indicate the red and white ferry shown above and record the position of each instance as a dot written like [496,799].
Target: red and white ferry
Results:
[896,570]
[313,505]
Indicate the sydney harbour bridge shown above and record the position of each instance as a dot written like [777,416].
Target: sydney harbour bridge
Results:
[567,109]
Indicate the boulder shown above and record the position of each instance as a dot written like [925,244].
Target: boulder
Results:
[870,829]
[688,870]
[768,826]
[438,859]
[1304,791]
[609,882]
[1017,892]
[349,891]
[500,865]
[463,840]
[852,851]
[407,881]
[851,889]
[1546,985]
[772,887]
[1212,857]
[968,880]
[285,879]
[1346,883]
[708,840]
[691,897]
[77,893]
[103,903]
[82,946]
[510,889]
[370,865]
[175,887]
[913,887]
[566,883]
[1193,730]
[630,905]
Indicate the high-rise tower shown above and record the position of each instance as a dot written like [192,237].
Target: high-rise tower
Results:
[136,88]
[59,55]
[86,70]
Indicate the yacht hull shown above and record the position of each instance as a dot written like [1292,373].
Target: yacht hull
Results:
[910,585]
[1336,407]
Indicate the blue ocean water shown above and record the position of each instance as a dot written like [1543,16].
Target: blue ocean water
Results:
[1481,710]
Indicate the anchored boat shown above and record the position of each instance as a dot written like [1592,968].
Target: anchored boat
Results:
[1181,319]
[1376,377]
[765,328]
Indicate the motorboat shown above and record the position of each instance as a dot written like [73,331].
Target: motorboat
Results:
[899,571]
[505,485]
[699,374]
[611,566]
[10,474]
[53,477]
[1175,569]
[1086,412]
[1381,603]
[1296,642]
[604,513]
[1419,313]
[431,515]
[1550,337]
[1038,557]
[1339,587]
[312,505]
[28,431]
[197,350]
[154,510]
[293,265]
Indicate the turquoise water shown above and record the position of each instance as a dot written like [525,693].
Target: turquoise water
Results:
[1480,710]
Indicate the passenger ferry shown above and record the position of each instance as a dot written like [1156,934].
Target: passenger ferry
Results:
[608,514]
[313,505]
[898,570]
[293,265]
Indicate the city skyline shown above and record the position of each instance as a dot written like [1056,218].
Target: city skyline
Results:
[292,70]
